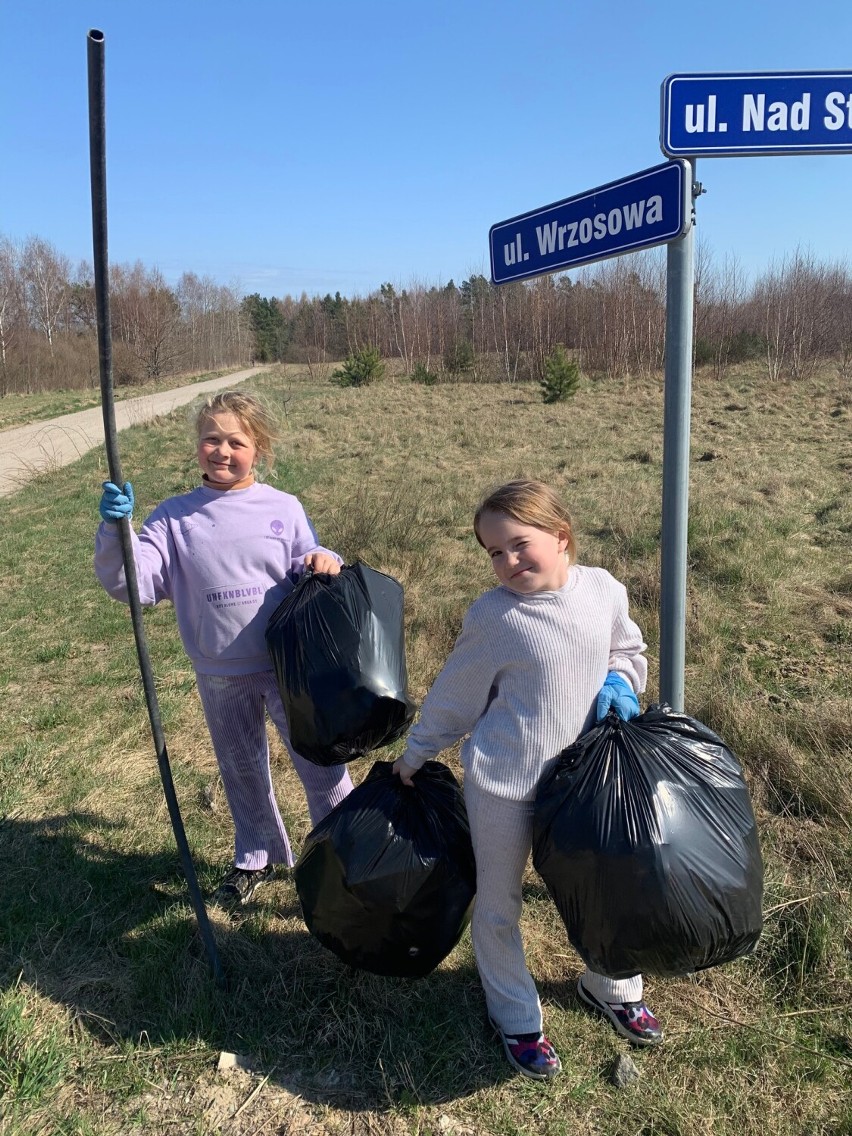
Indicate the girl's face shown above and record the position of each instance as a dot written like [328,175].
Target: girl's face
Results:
[226,453]
[524,558]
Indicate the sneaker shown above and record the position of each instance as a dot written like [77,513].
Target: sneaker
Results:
[530,1053]
[632,1020]
[239,885]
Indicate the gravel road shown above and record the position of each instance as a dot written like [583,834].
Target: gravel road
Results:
[55,442]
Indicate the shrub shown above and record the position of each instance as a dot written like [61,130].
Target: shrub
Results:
[459,357]
[420,373]
[704,352]
[561,376]
[745,346]
[360,368]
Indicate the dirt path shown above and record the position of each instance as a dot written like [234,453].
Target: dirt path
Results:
[55,442]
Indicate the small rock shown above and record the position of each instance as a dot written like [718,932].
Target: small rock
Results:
[624,1072]
[229,1061]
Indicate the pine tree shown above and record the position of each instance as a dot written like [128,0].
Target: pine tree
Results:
[561,376]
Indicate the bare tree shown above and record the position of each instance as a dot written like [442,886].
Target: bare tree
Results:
[719,303]
[81,309]
[646,296]
[771,301]
[318,360]
[417,315]
[146,314]
[394,305]
[505,323]
[11,303]
[794,301]
[838,321]
[808,307]
[541,309]
[45,274]
[210,331]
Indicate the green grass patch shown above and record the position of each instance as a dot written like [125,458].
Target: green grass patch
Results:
[109,1020]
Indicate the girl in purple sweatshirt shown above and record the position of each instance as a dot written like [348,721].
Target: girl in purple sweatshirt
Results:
[226,554]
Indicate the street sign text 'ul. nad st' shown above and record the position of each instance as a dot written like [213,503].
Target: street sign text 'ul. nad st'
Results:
[777,112]
[645,209]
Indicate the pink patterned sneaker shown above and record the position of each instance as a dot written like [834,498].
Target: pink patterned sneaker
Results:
[632,1020]
[530,1053]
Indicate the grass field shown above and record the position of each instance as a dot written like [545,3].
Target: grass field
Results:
[109,1020]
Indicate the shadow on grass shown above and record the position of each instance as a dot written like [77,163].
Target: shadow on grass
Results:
[111,935]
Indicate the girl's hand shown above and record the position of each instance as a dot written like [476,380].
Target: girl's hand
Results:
[404,771]
[116,503]
[322,562]
[617,694]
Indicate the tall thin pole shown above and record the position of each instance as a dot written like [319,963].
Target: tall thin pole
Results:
[97,157]
[680,278]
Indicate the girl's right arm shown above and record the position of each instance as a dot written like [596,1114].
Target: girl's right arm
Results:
[151,555]
[457,700]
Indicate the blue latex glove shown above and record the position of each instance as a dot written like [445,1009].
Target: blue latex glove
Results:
[116,503]
[617,693]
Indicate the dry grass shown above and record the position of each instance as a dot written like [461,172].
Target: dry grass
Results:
[111,1022]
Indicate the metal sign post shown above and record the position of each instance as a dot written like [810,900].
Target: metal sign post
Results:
[733,114]
[680,275]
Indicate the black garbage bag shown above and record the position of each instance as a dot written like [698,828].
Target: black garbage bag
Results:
[645,837]
[387,879]
[337,645]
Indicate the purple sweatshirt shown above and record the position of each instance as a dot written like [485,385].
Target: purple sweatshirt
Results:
[225,559]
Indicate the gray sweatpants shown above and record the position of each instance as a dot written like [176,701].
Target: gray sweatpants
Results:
[235,707]
[502,840]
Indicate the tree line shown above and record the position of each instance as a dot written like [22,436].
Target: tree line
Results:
[48,322]
[611,318]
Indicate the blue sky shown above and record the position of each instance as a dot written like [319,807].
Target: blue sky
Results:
[331,146]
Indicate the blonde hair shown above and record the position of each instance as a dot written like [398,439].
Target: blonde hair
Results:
[255,418]
[529,503]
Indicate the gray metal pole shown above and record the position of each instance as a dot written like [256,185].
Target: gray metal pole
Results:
[680,276]
[97,155]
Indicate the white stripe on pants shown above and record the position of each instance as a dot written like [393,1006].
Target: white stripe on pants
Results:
[502,840]
[235,707]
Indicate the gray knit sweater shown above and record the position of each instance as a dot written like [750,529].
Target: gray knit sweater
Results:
[523,677]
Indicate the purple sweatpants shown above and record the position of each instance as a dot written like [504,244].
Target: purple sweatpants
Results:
[235,707]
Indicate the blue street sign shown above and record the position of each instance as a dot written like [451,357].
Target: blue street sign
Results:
[648,208]
[777,112]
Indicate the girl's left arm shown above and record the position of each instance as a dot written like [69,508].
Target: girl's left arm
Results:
[627,647]
[307,552]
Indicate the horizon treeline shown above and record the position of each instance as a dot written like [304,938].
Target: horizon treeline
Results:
[790,319]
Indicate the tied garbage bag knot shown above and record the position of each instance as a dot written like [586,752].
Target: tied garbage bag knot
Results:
[387,880]
[338,651]
[645,837]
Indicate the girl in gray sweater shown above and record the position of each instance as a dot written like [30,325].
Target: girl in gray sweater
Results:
[538,660]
